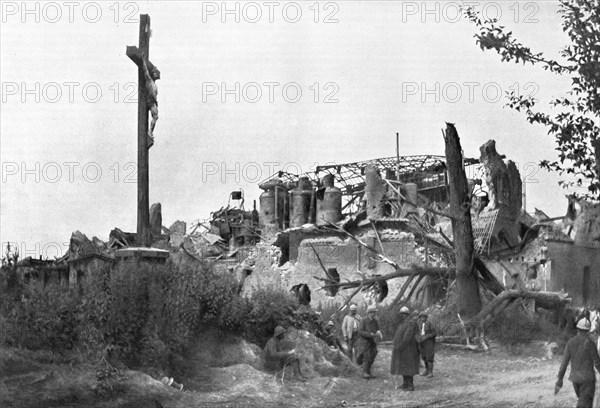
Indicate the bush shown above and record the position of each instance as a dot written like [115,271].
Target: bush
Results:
[41,319]
[514,326]
[143,313]
[269,307]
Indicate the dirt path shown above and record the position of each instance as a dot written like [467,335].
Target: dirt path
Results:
[466,379]
[462,379]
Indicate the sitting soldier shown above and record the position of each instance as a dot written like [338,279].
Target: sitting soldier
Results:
[331,336]
[277,358]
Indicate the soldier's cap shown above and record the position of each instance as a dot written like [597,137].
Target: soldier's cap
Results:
[584,324]
[404,310]
[353,307]
[330,323]
[279,331]
[423,313]
[372,308]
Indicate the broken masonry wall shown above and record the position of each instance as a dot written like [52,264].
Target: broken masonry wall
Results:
[266,273]
[83,268]
[576,270]
[521,274]
[553,262]
[344,255]
[530,264]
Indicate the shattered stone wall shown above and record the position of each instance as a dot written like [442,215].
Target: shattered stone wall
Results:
[566,267]
[345,255]
[576,270]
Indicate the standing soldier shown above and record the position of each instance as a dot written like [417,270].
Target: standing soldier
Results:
[350,330]
[426,340]
[405,354]
[368,334]
[582,354]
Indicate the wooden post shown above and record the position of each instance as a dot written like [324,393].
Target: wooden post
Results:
[137,54]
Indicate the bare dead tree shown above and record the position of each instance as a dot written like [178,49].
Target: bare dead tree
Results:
[469,300]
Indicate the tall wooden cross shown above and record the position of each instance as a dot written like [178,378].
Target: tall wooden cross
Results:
[138,55]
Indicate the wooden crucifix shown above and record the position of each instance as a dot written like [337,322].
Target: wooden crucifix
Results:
[147,75]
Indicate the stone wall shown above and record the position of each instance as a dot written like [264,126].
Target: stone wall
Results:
[344,254]
[568,265]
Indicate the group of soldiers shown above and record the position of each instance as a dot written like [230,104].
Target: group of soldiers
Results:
[412,342]
[415,341]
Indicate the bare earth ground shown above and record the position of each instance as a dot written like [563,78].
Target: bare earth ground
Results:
[462,379]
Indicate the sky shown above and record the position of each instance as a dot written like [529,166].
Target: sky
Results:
[247,89]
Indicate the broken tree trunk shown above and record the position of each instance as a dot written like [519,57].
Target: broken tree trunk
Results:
[469,301]
[546,300]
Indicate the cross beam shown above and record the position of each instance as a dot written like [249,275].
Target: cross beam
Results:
[135,55]
[143,236]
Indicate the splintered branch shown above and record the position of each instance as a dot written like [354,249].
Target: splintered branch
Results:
[348,300]
[378,238]
[319,259]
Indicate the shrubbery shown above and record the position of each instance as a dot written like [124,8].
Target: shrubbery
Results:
[40,319]
[143,315]
[514,327]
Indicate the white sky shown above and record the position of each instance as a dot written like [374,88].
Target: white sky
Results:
[377,60]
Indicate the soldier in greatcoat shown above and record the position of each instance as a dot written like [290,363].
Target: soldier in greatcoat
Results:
[405,354]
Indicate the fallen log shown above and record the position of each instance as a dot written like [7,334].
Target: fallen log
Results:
[545,300]
[400,272]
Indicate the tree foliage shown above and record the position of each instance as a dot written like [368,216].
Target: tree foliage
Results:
[574,121]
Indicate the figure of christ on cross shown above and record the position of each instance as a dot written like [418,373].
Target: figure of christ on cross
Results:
[151,97]
[147,76]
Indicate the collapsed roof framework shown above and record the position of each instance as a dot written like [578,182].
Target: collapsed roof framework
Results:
[428,172]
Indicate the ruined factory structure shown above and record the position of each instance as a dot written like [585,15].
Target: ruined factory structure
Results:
[310,230]
[300,235]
